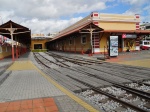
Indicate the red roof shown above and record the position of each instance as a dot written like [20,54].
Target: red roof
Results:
[128,31]
[69,31]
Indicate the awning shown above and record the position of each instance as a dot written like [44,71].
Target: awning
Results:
[78,28]
[20,33]
[128,31]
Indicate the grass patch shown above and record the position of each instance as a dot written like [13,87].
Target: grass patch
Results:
[39,50]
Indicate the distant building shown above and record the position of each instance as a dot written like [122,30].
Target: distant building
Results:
[38,41]
[51,34]
[145,26]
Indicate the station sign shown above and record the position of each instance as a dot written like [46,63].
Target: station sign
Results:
[129,35]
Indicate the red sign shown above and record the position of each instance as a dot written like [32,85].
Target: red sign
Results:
[123,35]
[96,15]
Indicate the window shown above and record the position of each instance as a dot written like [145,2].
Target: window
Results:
[6,49]
[37,46]
[147,27]
[1,49]
[145,43]
[70,41]
[83,40]
[148,43]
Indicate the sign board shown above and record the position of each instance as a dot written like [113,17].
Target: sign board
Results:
[129,35]
[137,48]
[123,35]
[113,46]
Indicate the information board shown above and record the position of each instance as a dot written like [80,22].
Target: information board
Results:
[113,46]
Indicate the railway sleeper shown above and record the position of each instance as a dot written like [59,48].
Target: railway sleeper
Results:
[122,73]
[59,77]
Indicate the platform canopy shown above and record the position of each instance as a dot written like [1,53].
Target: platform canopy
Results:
[20,33]
[139,32]
[80,28]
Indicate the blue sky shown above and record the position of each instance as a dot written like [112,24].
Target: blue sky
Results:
[50,16]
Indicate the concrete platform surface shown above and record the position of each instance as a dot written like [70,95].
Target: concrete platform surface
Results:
[28,84]
[34,105]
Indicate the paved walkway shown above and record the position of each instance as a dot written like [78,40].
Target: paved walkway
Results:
[34,105]
[28,89]
[27,85]
[139,58]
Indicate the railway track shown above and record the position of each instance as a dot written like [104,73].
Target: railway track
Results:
[76,60]
[111,96]
[59,62]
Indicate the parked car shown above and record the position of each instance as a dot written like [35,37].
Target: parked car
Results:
[145,45]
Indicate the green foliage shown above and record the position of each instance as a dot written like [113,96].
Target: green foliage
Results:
[39,50]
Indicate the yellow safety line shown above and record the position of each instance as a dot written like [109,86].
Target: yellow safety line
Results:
[71,95]
[21,65]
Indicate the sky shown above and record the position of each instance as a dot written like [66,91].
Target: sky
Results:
[52,16]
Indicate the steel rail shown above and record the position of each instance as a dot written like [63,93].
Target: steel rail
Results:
[135,91]
[40,61]
[54,62]
[110,95]
[76,60]
[132,90]
[94,88]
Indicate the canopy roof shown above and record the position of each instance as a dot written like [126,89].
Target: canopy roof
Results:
[128,31]
[20,33]
[82,27]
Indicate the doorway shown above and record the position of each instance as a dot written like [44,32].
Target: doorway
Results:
[37,46]
[120,46]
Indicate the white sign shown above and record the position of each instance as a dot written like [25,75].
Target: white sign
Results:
[113,47]
[129,36]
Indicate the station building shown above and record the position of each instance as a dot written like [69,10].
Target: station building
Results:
[38,42]
[5,48]
[145,26]
[15,40]
[92,34]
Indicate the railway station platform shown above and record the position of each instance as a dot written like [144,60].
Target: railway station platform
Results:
[137,58]
[28,89]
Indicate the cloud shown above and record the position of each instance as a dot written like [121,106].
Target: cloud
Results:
[135,6]
[49,26]
[141,7]
[135,2]
[50,8]
[45,16]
